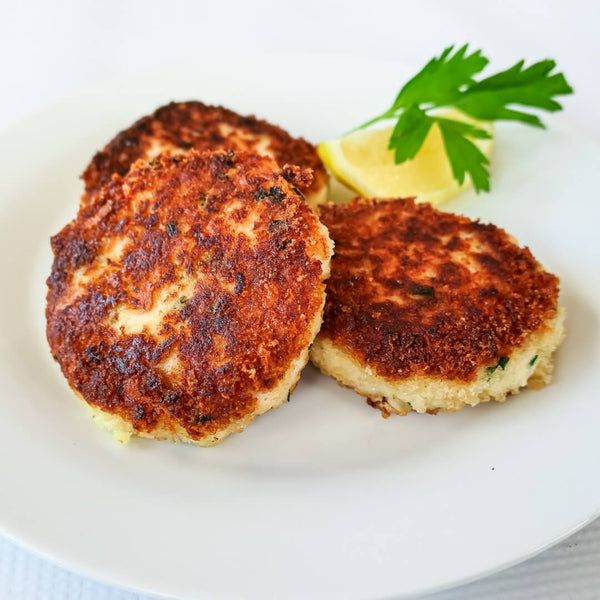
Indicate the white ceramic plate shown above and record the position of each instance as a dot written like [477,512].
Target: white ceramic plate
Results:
[322,498]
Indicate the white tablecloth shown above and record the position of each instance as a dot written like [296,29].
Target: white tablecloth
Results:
[50,49]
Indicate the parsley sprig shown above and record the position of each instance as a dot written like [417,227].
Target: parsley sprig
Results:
[449,81]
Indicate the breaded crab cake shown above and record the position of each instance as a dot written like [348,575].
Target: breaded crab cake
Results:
[182,302]
[428,310]
[181,126]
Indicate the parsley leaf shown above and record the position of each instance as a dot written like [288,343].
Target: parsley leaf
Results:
[449,81]
[464,156]
[535,87]
[409,133]
[440,79]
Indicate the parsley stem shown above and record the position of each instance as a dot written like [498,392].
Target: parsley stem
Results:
[389,114]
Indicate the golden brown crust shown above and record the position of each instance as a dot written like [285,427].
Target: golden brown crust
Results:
[181,126]
[229,229]
[416,291]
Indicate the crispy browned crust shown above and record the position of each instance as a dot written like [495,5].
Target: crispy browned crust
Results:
[235,226]
[181,126]
[416,291]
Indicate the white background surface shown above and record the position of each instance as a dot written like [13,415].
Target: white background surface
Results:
[49,50]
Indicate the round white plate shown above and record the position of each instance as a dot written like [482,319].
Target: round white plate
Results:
[323,498]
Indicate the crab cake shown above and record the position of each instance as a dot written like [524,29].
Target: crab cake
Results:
[180,126]
[182,302]
[429,311]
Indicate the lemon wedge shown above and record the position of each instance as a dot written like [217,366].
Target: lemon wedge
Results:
[363,162]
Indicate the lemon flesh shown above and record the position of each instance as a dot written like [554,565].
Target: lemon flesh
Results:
[363,162]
